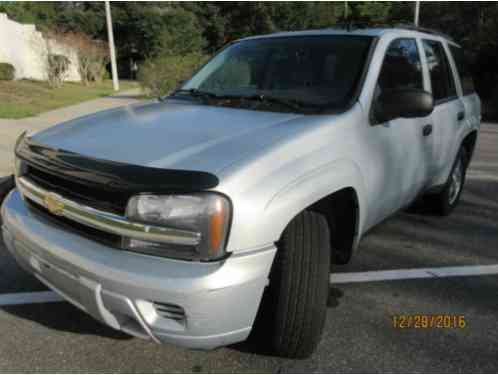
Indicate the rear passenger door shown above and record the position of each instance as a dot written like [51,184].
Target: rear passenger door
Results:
[449,111]
[469,96]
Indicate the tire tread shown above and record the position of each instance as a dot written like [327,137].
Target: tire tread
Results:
[299,286]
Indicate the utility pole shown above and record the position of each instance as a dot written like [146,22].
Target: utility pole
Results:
[417,12]
[110,37]
[345,10]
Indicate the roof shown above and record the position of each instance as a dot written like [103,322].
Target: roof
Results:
[374,32]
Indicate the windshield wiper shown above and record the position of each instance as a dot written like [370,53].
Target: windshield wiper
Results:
[293,104]
[196,93]
[289,103]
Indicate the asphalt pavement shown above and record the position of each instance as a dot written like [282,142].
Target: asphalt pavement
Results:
[359,335]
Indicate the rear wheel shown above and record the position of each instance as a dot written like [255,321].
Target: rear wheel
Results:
[445,201]
[294,307]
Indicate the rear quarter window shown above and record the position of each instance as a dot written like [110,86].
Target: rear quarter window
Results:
[463,70]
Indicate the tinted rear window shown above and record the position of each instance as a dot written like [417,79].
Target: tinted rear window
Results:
[443,83]
[463,70]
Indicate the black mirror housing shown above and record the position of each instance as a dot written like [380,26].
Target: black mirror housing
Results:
[405,103]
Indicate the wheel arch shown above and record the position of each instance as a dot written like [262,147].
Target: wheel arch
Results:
[342,211]
[469,144]
[337,191]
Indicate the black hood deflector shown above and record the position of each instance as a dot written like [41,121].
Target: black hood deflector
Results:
[111,175]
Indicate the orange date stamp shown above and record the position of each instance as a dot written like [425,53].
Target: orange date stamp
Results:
[423,321]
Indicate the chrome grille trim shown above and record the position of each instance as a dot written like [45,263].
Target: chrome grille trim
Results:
[106,221]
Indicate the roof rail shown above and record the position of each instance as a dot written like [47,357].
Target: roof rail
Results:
[424,30]
[352,25]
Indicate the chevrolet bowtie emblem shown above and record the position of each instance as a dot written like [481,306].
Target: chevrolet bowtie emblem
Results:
[54,203]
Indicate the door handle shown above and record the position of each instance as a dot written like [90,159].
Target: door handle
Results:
[427,130]
[461,115]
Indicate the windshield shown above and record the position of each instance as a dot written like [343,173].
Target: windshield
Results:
[291,73]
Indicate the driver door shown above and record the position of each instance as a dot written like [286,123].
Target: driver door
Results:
[402,146]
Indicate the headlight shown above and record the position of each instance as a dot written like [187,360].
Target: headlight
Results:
[207,214]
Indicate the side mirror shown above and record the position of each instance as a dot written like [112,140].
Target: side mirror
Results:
[405,103]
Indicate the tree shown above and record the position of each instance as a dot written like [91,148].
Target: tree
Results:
[373,12]
[326,14]
[181,33]
[292,16]
[246,18]
[42,14]
[145,29]
[82,17]
[211,21]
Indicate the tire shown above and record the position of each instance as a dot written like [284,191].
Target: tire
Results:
[294,307]
[446,201]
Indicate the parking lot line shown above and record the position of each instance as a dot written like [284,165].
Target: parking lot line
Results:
[31,297]
[471,175]
[335,278]
[415,273]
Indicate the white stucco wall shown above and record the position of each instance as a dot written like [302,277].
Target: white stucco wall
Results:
[25,48]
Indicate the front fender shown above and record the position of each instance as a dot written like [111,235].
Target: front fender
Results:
[265,224]
[315,185]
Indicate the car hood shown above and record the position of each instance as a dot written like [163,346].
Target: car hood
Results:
[173,134]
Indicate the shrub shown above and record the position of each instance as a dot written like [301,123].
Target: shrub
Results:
[93,59]
[92,56]
[57,67]
[159,76]
[7,72]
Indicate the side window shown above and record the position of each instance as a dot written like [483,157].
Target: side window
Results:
[401,68]
[463,71]
[443,82]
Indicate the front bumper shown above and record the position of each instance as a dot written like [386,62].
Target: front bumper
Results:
[213,304]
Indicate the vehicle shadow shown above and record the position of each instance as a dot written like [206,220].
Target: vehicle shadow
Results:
[64,317]
[257,342]
[418,238]
[335,294]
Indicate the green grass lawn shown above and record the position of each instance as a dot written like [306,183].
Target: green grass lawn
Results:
[25,98]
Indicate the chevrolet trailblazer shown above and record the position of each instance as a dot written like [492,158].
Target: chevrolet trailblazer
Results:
[218,210]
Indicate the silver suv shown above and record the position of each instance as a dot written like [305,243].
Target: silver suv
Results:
[218,210]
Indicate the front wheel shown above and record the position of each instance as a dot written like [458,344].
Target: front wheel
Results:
[294,307]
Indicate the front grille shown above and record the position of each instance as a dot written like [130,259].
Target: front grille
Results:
[99,198]
[105,238]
